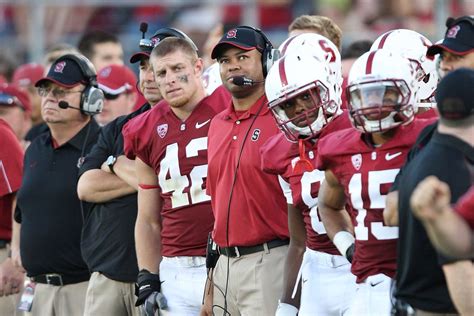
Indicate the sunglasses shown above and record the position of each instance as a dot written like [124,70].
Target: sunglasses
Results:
[57,93]
[109,96]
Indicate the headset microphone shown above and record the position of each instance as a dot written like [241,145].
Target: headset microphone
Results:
[64,105]
[244,81]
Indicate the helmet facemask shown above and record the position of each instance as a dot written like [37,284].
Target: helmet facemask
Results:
[303,112]
[379,105]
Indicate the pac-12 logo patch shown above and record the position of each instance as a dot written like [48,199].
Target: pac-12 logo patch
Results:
[162,130]
[255,134]
[356,161]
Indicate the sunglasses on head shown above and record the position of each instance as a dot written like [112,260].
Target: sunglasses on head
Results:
[7,99]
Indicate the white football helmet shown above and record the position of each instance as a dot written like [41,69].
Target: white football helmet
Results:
[211,78]
[381,91]
[413,45]
[321,47]
[301,95]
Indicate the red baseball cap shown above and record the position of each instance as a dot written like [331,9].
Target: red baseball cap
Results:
[11,95]
[28,74]
[116,79]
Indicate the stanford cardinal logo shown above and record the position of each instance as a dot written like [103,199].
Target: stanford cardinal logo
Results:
[60,67]
[453,32]
[155,41]
[232,33]
[162,130]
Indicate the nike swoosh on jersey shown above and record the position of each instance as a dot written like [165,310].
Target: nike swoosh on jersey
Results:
[199,125]
[390,157]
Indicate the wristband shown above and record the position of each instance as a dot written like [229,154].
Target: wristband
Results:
[343,240]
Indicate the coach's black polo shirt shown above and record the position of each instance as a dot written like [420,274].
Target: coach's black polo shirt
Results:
[420,278]
[48,207]
[420,143]
[108,243]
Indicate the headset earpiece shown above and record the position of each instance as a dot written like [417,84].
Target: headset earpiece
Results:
[269,54]
[92,98]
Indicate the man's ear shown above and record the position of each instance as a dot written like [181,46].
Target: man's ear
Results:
[199,67]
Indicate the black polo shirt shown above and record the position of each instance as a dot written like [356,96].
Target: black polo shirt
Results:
[420,143]
[108,243]
[36,130]
[48,207]
[420,278]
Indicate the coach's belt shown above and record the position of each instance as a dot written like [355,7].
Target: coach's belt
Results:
[238,251]
[58,279]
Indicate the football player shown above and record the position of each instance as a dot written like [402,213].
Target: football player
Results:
[302,96]
[414,46]
[174,212]
[360,164]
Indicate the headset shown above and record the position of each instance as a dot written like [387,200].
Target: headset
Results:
[269,54]
[92,98]
[161,34]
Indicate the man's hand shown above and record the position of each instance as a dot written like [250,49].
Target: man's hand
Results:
[11,278]
[206,308]
[430,198]
[148,291]
[285,309]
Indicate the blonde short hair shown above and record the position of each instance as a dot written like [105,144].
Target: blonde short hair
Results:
[319,24]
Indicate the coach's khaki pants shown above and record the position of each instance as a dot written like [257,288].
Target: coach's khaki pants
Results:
[54,300]
[108,297]
[255,283]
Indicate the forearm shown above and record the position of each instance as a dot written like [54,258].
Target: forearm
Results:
[335,220]
[124,168]
[390,213]
[98,186]
[148,244]
[294,258]
[460,280]
[293,262]
[450,234]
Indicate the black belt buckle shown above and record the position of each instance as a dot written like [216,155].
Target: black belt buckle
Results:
[54,279]
[230,252]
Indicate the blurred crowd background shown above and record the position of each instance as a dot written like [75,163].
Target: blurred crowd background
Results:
[29,27]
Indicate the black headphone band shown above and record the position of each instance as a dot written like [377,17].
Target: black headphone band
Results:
[267,42]
[86,68]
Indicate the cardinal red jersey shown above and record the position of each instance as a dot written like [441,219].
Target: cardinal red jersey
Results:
[177,152]
[217,101]
[465,207]
[428,114]
[367,173]
[248,204]
[11,171]
[280,156]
